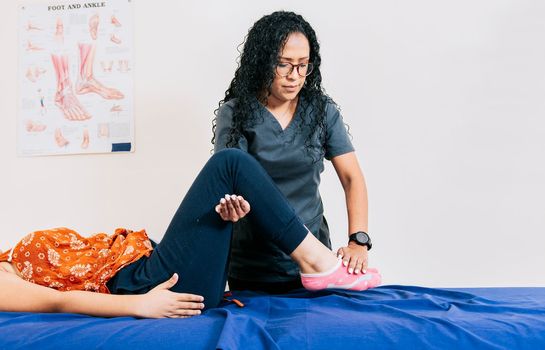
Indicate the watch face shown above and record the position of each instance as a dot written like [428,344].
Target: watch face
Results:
[362,238]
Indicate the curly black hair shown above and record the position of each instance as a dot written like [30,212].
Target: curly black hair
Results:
[256,71]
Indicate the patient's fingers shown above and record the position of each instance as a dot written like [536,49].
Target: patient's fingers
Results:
[190,306]
[182,313]
[238,208]
[221,209]
[244,205]
[231,211]
[187,297]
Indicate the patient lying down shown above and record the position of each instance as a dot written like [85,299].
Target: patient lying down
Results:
[125,274]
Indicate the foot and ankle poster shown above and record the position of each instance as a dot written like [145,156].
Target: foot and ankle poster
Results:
[75,78]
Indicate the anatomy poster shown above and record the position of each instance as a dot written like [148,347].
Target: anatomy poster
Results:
[75,78]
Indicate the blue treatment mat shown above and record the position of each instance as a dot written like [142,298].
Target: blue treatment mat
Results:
[388,317]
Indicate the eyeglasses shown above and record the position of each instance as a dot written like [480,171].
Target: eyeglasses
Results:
[285,68]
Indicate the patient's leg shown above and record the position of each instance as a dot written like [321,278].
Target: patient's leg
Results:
[64,97]
[86,81]
[197,242]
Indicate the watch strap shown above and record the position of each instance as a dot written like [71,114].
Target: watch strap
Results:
[354,237]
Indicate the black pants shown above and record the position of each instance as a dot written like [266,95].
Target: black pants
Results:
[268,287]
[197,242]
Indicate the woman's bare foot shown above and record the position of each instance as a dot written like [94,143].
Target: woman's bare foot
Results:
[34,126]
[312,256]
[85,142]
[59,139]
[93,26]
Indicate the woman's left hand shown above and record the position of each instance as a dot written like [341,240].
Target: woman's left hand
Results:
[161,302]
[355,257]
[233,208]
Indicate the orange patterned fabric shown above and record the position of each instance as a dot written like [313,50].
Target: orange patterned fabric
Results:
[62,259]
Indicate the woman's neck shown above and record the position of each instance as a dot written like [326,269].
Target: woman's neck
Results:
[283,111]
[274,103]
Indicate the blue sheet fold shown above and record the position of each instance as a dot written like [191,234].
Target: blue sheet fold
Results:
[388,317]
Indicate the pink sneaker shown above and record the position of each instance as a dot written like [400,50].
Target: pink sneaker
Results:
[339,278]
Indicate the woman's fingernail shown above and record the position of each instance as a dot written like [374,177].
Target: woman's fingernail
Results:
[356,271]
[350,270]
[345,263]
[364,271]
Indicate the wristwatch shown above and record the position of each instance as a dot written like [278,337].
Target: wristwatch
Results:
[361,238]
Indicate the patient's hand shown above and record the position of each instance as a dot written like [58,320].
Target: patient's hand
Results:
[233,208]
[161,302]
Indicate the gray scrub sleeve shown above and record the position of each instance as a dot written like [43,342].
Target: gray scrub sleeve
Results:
[337,139]
[223,126]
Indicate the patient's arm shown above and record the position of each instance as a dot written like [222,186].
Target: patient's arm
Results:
[18,295]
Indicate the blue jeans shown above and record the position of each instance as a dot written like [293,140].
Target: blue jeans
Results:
[197,242]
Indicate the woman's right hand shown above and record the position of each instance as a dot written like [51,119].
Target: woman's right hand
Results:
[232,208]
[161,302]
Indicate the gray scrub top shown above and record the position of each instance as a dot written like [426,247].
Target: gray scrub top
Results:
[283,154]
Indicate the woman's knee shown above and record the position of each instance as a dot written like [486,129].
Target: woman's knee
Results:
[231,156]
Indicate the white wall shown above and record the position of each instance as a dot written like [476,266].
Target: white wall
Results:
[445,101]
